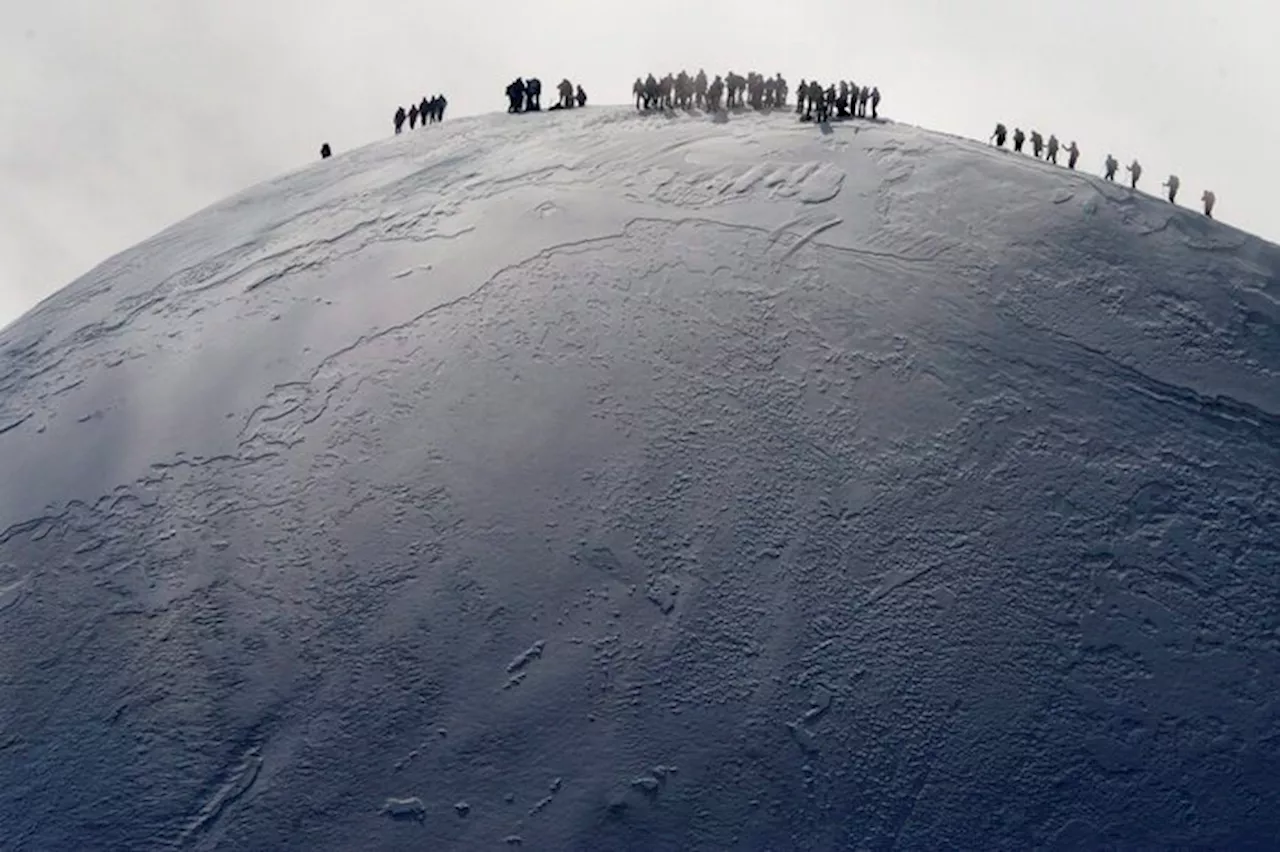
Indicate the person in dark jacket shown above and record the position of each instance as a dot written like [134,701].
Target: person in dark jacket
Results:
[399,119]
[533,95]
[516,94]
[1001,133]
[413,116]
[325,151]
[581,97]
[1018,138]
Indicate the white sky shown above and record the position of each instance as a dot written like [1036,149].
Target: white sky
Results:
[118,117]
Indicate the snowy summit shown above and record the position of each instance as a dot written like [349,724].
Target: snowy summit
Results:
[597,480]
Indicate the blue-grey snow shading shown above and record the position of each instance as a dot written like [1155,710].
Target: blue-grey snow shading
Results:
[901,492]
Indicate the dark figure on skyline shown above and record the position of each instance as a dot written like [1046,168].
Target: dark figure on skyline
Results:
[581,97]
[566,94]
[425,109]
[999,136]
[875,102]
[1135,172]
[399,119]
[516,95]
[715,92]
[533,95]
[441,103]
[325,151]
[1018,138]
[1073,154]
[1111,165]
[1037,143]
[413,116]
[652,92]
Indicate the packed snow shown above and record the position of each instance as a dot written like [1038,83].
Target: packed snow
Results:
[603,480]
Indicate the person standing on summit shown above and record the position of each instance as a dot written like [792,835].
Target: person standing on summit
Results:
[1209,200]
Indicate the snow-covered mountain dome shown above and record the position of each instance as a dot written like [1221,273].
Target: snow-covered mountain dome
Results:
[608,481]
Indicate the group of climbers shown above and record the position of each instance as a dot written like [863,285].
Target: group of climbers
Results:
[526,95]
[813,103]
[846,100]
[428,111]
[1051,147]
[734,91]
[682,91]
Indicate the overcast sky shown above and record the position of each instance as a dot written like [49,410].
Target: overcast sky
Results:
[118,117]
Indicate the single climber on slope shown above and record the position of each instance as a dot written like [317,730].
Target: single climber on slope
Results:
[1052,153]
[325,151]
[399,119]
[1135,172]
[1073,154]
[999,136]
[1037,143]
[1111,165]
[1209,200]
[1018,139]
[1172,185]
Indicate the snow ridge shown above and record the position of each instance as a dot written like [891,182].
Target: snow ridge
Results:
[602,480]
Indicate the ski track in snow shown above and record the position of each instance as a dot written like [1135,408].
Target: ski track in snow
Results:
[602,480]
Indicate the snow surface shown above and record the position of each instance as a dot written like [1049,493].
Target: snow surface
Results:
[602,481]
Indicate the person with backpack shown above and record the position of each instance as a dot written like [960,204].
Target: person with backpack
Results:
[1135,172]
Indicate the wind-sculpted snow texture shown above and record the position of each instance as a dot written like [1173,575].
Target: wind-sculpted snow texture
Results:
[598,481]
